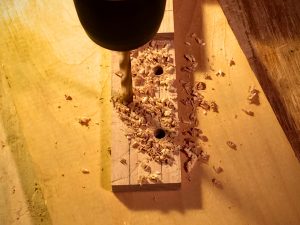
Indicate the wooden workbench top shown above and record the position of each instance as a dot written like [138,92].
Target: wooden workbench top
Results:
[54,170]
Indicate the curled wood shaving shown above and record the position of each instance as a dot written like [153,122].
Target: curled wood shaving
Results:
[123,161]
[217,183]
[143,114]
[84,121]
[220,73]
[85,171]
[189,57]
[200,86]
[218,169]
[231,145]
[199,41]
[253,97]
[68,97]
[214,106]
[231,62]
[119,74]
[248,112]
[187,43]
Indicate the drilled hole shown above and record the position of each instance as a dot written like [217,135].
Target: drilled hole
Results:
[158,70]
[159,133]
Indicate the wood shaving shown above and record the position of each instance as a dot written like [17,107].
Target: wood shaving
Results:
[248,112]
[119,74]
[146,167]
[68,98]
[85,171]
[198,40]
[231,145]
[142,115]
[187,43]
[218,169]
[189,165]
[207,77]
[204,104]
[200,86]
[84,121]
[217,183]
[188,69]
[123,161]
[214,107]
[231,62]
[189,57]
[150,178]
[253,97]
[220,73]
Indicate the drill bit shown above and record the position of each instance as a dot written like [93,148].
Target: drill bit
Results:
[126,94]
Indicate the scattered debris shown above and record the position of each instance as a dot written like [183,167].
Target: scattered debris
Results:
[193,35]
[214,107]
[198,40]
[85,171]
[189,165]
[187,43]
[217,183]
[68,97]
[84,121]
[145,167]
[150,178]
[220,73]
[123,161]
[231,62]
[189,57]
[218,169]
[231,145]
[253,97]
[200,86]
[207,76]
[248,112]
[119,74]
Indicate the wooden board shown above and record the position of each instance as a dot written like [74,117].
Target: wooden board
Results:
[269,36]
[126,161]
[46,54]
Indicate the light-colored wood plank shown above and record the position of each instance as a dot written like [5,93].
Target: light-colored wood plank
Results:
[132,171]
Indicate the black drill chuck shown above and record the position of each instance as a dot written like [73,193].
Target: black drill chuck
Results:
[120,25]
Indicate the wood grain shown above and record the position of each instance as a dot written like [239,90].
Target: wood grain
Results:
[126,175]
[268,33]
[46,54]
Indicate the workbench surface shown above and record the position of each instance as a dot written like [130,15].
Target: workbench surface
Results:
[54,170]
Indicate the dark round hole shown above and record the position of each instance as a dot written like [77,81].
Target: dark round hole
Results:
[159,133]
[158,70]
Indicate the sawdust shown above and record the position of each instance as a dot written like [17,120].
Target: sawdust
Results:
[152,121]
[253,96]
[84,122]
[149,114]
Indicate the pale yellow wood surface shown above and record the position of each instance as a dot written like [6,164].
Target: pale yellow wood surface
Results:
[126,175]
[45,54]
